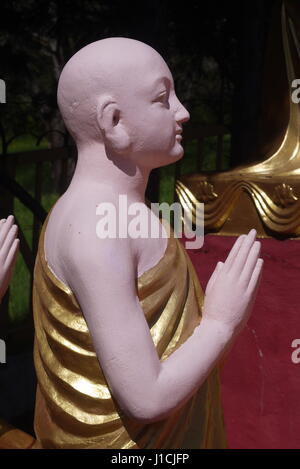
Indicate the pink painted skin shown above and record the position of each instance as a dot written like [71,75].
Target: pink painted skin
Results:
[118,101]
[9,247]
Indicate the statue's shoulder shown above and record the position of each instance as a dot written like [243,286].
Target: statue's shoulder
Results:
[75,238]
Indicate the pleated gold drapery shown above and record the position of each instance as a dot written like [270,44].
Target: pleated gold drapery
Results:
[74,406]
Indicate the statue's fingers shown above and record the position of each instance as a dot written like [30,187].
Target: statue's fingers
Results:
[2,222]
[5,229]
[214,276]
[11,236]
[250,263]
[255,278]
[12,255]
[243,253]
[233,252]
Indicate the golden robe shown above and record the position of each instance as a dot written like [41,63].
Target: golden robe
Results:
[74,405]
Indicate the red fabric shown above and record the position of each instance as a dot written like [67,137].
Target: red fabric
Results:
[260,383]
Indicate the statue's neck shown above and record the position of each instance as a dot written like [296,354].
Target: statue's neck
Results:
[118,175]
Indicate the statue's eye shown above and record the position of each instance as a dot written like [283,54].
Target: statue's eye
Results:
[162,97]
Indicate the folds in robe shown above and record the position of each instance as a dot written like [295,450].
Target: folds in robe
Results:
[74,405]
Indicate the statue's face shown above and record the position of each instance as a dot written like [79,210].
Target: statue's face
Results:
[125,89]
[154,114]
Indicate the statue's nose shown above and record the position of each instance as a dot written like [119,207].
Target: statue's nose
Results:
[182,114]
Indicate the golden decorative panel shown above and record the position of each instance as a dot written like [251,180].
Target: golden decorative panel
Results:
[264,195]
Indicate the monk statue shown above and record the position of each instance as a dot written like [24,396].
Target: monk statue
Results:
[127,347]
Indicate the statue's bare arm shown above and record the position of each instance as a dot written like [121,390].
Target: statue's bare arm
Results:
[9,246]
[145,388]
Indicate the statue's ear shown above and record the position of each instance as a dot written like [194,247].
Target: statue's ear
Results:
[109,118]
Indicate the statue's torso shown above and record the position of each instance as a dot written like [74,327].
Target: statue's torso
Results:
[74,406]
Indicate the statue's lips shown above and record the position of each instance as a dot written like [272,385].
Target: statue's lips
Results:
[178,137]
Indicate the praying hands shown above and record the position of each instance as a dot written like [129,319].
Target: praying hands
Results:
[9,245]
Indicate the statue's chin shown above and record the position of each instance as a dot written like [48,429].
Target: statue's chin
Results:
[176,155]
[157,160]
[173,157]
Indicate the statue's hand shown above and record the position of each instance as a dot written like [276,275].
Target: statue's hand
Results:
[9,245]
[232,288]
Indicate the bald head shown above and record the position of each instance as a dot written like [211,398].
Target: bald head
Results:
[111,67]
